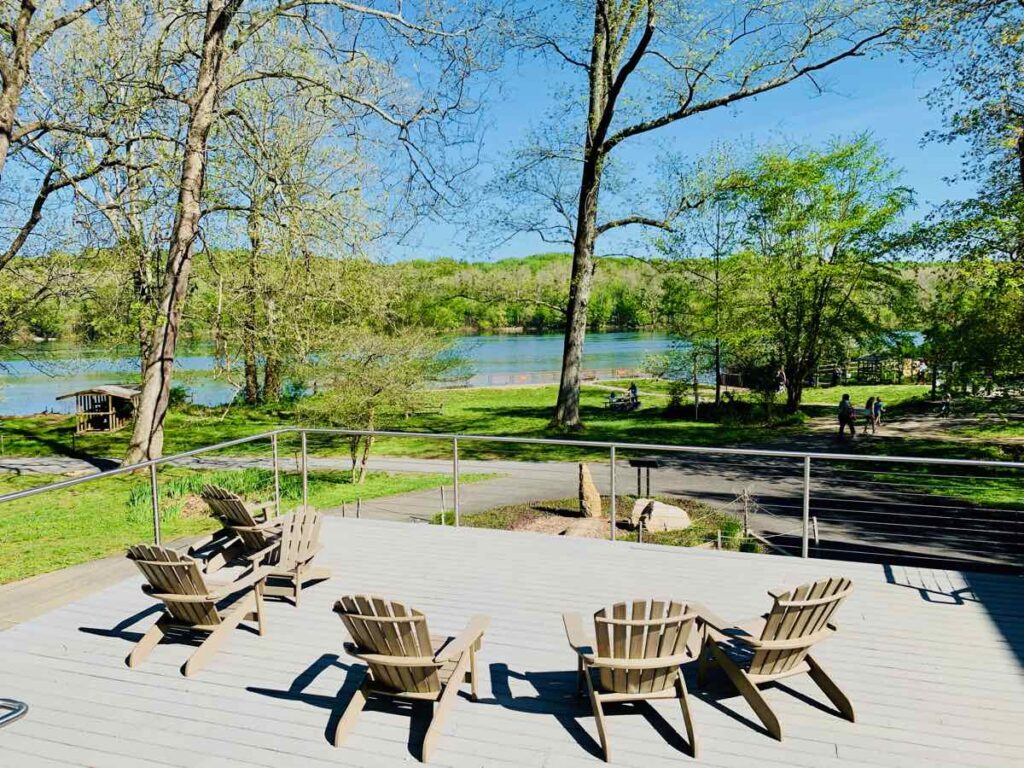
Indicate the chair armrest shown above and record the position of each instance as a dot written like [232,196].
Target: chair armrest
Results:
[256,558]
[249,579]
[468,637]
[266,507]
[579,641]
[708,618]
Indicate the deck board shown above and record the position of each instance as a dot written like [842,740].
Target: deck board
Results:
[931,660]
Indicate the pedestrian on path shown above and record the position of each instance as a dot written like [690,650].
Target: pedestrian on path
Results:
[876,414]
[869,415]
[847,416]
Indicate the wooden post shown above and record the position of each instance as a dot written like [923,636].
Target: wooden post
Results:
[442,505]
[718,536]
[814,525]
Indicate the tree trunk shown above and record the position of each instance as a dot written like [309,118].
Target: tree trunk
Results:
[567,407]
[148,436]
[718,372]
[16,70]
[252,372]
[272,365]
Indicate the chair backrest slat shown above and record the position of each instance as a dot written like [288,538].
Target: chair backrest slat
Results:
[228,506]
[403,635]
[641,630]
[169,572]
[791,620]
[300,536]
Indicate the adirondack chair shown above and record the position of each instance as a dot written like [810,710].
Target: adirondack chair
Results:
[777,645]
[192,604]
[252,523]
[639,648]
[292,558]
[405,661]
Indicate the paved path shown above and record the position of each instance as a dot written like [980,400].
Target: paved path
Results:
[861,512]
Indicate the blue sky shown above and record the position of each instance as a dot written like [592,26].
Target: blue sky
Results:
[883,97]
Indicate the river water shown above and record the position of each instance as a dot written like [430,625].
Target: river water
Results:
[33,378]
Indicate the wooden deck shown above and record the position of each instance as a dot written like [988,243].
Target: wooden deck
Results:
[931,659]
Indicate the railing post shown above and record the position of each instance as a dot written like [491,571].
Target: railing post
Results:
[611,516]
[154,493]
[807,507]
[455,478]
[277,476]
[305,474]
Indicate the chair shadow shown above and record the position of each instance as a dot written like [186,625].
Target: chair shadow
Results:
[557,697]
[419,713]
[118,630]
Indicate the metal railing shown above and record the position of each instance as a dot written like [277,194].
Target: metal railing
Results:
[867,506]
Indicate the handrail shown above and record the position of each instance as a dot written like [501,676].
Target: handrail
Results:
[449,436]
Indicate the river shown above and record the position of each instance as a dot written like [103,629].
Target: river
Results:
[34,376]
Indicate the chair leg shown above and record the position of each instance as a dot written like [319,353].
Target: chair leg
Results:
[705,662]
[472,671]
[602,732]
[297,575]
[444,705]
[580,672]
[259,607]
[149,641]
[348,719]
[216,639]
[684,703]
[749,691]
[829,688]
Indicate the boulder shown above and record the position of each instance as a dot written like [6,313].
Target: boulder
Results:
[659,516]
[638,510]
[590,499]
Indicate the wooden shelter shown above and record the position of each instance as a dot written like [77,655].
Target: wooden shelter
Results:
[105,408]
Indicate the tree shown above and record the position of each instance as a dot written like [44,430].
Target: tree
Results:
[820,234]
[357,54]
[701,256]
[649,64]
[24,31]
[368,380]
[976,312]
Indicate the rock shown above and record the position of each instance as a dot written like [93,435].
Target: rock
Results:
[659,516]
[590,499]
[638,510]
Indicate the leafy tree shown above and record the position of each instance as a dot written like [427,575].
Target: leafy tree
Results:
[369,381]
[645,65]
[819,239]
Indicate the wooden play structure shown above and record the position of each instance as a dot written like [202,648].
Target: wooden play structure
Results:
[106,408]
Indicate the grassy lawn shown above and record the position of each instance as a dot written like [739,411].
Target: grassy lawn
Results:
[996,490]
[548,516]
[95,519]
[506,412]
[892,394]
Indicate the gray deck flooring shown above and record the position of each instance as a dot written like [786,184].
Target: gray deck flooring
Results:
[931,660]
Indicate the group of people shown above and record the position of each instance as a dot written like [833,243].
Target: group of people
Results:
[873,410]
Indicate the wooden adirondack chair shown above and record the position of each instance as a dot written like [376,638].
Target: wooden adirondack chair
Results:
[405,661]
[252,523]
[299,544]
[191,604]
[777,645]
[639,648]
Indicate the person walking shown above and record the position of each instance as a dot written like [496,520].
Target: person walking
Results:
[847,415]
[869,415]
[876,414]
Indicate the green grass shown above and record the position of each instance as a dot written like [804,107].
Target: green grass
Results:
[997,490]
[505,412]
[44,533]
[706,522]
